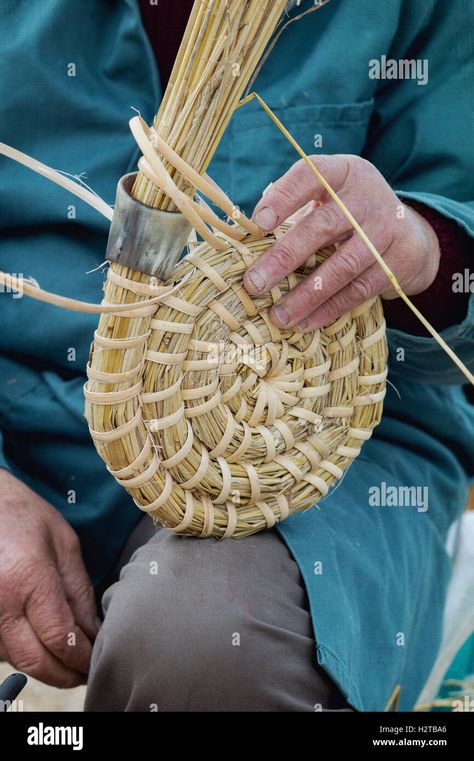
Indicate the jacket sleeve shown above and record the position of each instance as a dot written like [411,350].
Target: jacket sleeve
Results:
[421,140]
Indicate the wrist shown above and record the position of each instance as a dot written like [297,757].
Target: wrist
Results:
[429,253]
[439,302]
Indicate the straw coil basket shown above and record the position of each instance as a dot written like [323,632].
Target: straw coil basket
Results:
[216,422]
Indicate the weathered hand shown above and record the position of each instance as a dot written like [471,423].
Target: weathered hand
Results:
[47,607]
[350,276]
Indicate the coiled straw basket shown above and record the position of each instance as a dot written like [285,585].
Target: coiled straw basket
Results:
[216,422]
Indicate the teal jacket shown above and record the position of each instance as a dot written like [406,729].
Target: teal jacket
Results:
[70,74]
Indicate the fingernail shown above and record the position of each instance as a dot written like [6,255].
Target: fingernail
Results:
[257,280]
[302,325]
[266,218]
[281,315]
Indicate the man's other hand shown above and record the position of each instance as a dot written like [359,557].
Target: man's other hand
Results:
[47,607]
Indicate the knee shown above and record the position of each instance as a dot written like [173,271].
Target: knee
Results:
[171,640]
[194,626]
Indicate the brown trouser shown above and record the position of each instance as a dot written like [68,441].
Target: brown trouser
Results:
[200,625]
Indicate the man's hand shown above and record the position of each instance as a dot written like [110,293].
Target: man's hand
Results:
[351,275]
[47,607]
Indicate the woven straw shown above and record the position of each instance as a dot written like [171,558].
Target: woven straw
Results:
[218,423]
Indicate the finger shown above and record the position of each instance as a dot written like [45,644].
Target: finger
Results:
[371,283]
[77,586]
[298,186]
[340,269]
[53,622]
[317,229]
[27,654]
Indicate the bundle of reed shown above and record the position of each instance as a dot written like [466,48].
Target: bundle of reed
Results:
[216,422]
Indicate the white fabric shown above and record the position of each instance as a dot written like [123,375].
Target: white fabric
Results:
[459,610]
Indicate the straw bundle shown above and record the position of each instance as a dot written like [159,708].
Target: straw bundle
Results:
[216,422]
